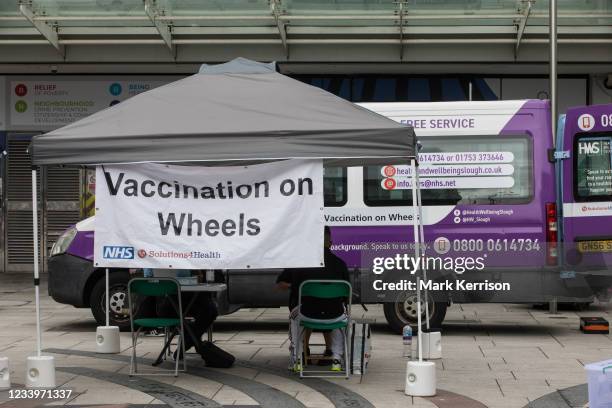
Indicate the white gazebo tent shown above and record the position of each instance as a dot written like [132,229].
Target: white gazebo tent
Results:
[238,112]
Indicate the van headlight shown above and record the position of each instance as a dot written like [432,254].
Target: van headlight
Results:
[63,242]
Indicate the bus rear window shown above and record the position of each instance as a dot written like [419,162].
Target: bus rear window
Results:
[458,170]
[593,167]
[334,186]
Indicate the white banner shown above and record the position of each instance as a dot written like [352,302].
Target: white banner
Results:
[188,217]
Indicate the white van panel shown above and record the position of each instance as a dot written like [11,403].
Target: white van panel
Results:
[450,118]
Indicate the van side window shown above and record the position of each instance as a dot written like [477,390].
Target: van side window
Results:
[458,170]
[334,186]
[593,167]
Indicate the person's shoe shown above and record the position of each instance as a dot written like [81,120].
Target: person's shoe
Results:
[154,333]
[297,367]
[336,365]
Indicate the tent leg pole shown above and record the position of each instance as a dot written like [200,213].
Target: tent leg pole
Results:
[420,375]
[36,260]
[422,240]
[417,251]
[40,370]
[107,299]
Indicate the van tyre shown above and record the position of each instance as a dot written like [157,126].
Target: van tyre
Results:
[399,314]
[119,315]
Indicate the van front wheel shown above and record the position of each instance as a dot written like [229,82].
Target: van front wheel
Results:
[401,313]
[119,313]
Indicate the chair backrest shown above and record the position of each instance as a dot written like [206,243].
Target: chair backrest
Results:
[153,286]
[325,289]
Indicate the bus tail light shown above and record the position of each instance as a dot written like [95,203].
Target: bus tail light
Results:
[551,234]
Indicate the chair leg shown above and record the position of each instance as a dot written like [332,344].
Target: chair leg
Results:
[176,363]
[133,360]
[210,333]
[300,353]
[301,359]
[132,355]
[347,356]
[169,348]
[304,348]
[182,346]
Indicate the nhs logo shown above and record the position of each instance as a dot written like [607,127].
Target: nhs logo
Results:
[118,252]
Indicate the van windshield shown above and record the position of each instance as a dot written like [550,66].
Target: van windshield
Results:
[458,170]
[593,167]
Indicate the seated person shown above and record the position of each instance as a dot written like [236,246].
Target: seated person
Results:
[203,311]
[334,269]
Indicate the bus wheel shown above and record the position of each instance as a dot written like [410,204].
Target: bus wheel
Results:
[404,312]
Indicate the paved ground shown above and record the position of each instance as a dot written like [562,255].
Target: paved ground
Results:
[494,356]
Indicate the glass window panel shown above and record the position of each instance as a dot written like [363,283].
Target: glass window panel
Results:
[334,186]
[418,90]
[593,168]
[89,8]
[452,90]
[485,89]
[337,85]
[374,89]
[339,6]
[330,13]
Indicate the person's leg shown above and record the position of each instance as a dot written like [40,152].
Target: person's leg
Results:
[327,353]
[337,349]
[307,334]
[337,343]
[203,311]
[328,339]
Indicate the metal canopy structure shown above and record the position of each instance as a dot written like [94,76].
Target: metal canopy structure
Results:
[289,30]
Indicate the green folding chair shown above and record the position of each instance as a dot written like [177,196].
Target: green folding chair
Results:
[326,289]
[166,288]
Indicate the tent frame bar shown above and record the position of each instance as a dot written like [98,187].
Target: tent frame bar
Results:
[36,260]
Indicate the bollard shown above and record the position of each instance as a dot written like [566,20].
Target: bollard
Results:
[432,345]
[108,340]
[40,372]
[420,379]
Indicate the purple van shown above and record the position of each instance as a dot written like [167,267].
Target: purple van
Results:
[492,187]
[585,190]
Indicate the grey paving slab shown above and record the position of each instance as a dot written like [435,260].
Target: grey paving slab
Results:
[340,396]
[265,395]
[173,396]
[573,397]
